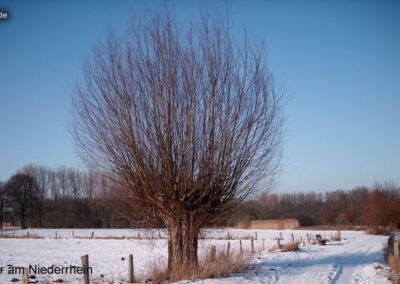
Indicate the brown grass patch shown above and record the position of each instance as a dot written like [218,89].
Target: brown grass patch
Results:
[222,266]
[227,237]
[394,269]
[292,246]
[35,236]
[378,230]
[393,263]
[333,228]
[30,236]
[114,238]
[102,238]
[394,274]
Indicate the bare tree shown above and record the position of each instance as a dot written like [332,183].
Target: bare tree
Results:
[381,208]
[41,175]
[188,122]
[22,190]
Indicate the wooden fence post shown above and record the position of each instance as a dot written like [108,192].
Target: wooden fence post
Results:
[252,244]
[85,266]
[256,236]
[292,238]
[213,253]
[280,235]
[56,235]
[131,277]
[278,243]
[92,234]
[228,249]
[396,250]
[25,277]
[241,249]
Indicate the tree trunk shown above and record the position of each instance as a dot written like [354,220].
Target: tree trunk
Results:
[23,219]
[40,219]
[182,247]
[1,214]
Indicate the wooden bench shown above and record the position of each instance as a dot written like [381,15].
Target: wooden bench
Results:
[320,240]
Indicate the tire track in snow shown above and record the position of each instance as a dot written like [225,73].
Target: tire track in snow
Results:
[347,265]
[341,262]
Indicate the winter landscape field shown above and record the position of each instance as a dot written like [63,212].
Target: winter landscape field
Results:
[357,258]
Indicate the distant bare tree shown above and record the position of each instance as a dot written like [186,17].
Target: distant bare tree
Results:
[41,175]
[188,122]
[23,192]
[75,182]
[62,180]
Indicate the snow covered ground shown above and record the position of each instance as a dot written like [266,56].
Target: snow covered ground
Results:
[352,260]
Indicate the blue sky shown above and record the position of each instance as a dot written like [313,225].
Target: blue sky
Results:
[338,60]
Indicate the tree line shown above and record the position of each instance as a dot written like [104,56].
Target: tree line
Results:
[37,196]
[375,206]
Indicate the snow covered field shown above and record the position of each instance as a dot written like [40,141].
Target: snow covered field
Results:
[352,260]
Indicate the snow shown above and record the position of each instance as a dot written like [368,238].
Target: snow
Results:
[352,260]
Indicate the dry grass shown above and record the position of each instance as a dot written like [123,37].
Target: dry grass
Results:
[110,238]
[333,228]
[34,236]
[292,246]
[158,271]
[227,237]
[222,266]
[378,230]
[394,269]
[393,263]
[30,236]
[394,274]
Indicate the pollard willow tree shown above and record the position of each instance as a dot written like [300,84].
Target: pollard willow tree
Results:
[187,121]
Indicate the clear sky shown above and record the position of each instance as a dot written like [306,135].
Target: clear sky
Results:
[338,60]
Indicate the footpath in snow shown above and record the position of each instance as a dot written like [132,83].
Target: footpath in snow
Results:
[357,259]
